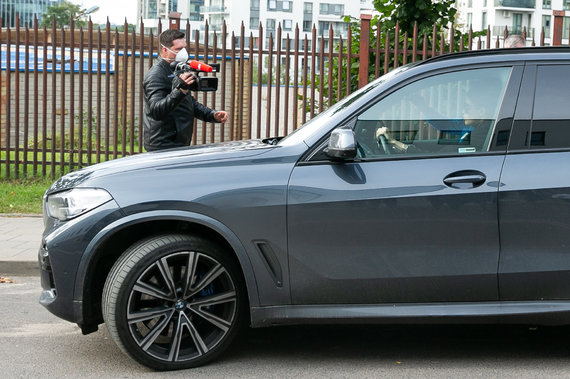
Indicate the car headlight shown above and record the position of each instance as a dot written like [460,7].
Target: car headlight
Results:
[69,204]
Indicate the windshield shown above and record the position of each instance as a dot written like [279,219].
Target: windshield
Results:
[316,122]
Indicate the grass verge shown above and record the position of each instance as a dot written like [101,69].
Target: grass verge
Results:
[22,187]
[23,196]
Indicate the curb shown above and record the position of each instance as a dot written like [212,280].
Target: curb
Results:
[19,215]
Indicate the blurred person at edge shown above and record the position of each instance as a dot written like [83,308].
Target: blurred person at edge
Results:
[514,40]
[169,108]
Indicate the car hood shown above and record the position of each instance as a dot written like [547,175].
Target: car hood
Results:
[187,155]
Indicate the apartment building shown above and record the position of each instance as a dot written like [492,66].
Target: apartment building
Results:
[26,9]
[534,15]
[253,13]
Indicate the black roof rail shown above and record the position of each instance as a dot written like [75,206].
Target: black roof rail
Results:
[500,51]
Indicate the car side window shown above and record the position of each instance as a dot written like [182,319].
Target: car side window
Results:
[550,126]
[445,114]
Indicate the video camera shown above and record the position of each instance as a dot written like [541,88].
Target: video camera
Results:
[205,83]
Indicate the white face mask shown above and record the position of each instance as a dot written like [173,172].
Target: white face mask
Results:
[181,56]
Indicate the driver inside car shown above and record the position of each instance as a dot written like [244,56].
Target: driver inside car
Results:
[388,142]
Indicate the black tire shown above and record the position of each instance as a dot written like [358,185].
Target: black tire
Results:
[174,301]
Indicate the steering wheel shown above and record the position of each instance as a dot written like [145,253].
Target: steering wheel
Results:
[382,143]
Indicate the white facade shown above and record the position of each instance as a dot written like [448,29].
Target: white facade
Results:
[514,15]
[269,13]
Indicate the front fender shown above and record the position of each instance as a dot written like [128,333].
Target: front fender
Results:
[104,234]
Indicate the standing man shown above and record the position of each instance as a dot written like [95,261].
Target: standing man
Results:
[514,40]
[169,109]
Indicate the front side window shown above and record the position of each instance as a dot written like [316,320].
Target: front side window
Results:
[446,114]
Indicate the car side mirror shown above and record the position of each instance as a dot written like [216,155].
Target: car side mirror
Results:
[342,144]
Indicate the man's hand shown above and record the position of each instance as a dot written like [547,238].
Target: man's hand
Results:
[188,79]
[382,131]
[221,116]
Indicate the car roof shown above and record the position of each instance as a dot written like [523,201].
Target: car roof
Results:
[505,54]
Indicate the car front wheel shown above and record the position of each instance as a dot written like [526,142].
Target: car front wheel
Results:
[174,301]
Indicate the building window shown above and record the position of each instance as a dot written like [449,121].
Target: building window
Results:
[517,23]
[173,5]
[339,28]
[254,23]
[484,21]
[469,19]
[469,3]
[566,5]
[254,5]
[287,24]
[307,16]
[334,9]
[287,6]
[270,24]
[280,5]
[565,26]
[546,25]
[546,4]
[152,10]
[484,3]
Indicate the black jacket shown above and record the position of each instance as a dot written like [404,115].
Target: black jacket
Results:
[168,113]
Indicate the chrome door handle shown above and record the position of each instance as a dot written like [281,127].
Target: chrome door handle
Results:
[465,179]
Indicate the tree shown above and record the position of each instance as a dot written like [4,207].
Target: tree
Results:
[426,13]
[406,13]
[63,13]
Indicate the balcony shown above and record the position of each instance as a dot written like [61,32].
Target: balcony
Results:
[499,31]
[515,4]
[214,10]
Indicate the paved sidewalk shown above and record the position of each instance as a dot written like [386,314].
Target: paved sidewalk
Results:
[20,239]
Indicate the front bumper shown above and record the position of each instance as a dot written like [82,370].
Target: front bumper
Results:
[64,256]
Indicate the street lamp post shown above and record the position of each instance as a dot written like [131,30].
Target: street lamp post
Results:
[85,12]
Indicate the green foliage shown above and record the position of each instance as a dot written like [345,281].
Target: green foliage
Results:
[404,13]
[426,13]
[62,13]
[131,28]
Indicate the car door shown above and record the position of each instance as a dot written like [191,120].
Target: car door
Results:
[534,199]
[414,217]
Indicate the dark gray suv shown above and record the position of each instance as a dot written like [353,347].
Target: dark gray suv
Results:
[440,192]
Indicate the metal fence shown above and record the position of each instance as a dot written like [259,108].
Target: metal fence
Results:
[71,97]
